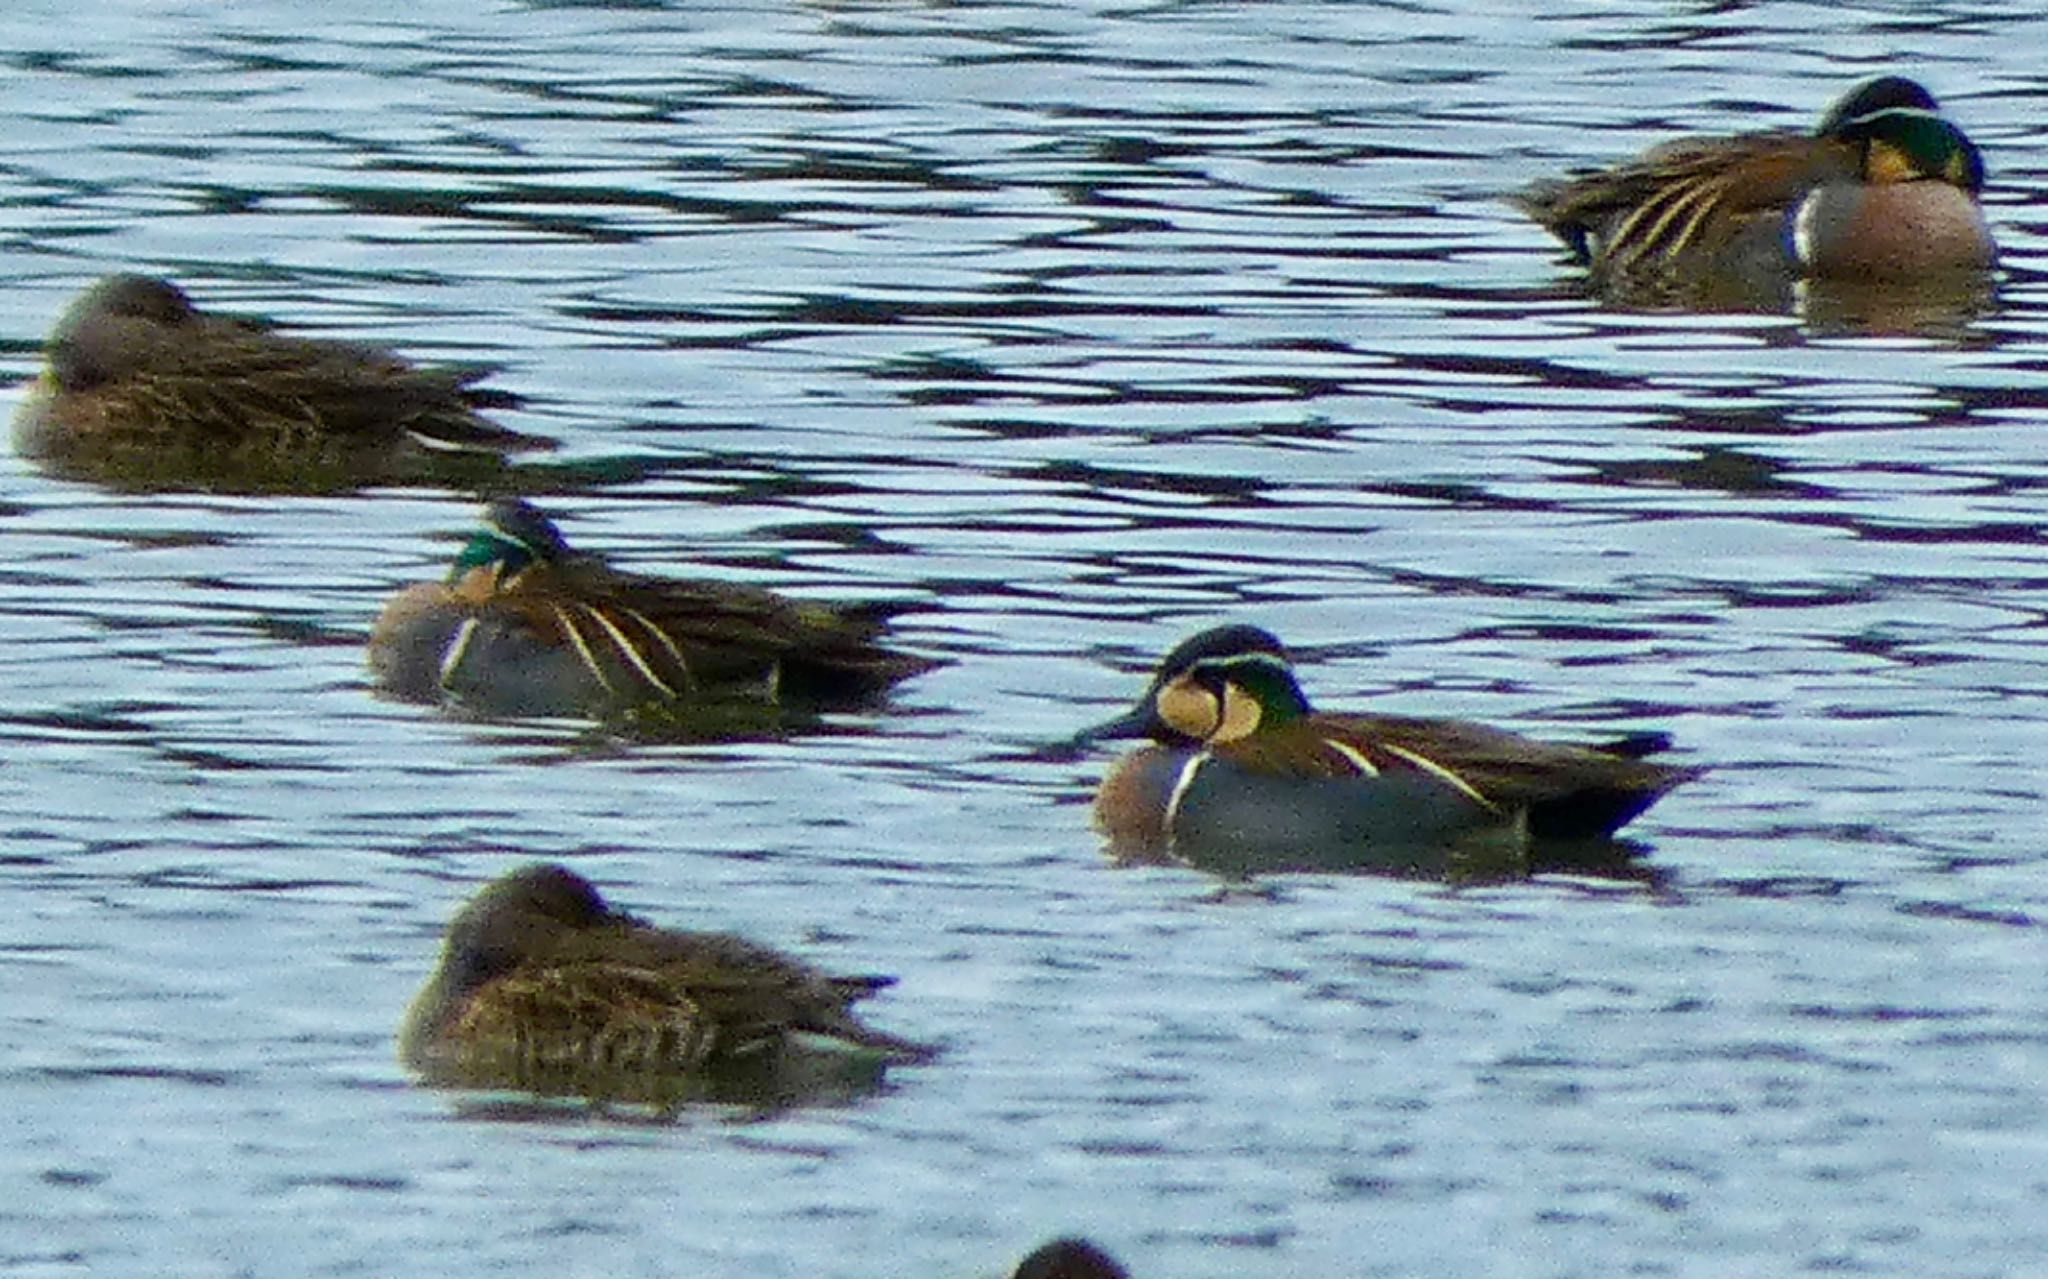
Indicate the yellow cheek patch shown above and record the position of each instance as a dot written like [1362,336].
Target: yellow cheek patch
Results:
[1241,715]
[1189,709]
[477,586]
[1883,163]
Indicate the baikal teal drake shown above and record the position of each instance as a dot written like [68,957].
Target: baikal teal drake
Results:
[543,987]
[1245,776]
[524,625]
[1884,192]
[140,385]
[1070,1259]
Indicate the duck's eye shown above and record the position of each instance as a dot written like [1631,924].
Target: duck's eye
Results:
[1190,709]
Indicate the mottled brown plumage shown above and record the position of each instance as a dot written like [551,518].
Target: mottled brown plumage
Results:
[540,980]
[133,367]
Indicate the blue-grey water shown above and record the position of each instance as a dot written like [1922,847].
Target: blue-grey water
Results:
[1077,326]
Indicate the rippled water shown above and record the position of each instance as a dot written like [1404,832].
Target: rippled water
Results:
[1079,327]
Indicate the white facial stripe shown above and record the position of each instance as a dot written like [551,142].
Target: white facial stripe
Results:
[1913,113]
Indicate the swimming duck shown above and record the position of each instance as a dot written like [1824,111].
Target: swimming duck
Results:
[1070,1259]
[1885,190]
[134,365]
[541,980]
[524,625]
[1240,756]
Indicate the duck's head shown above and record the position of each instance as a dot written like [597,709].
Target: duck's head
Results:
[114,327]
[1901,136]
[515,918]
[1219,685]
[514,536]
[1070,1259]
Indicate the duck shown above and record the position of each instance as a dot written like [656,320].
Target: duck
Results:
[134,366]
[540,980]
[1244,768]
[1884,191]
[1070,1258]
[524,625]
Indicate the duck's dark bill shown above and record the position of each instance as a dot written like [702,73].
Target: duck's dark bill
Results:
[1139,721]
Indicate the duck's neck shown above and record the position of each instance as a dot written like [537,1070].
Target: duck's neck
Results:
[1272,683]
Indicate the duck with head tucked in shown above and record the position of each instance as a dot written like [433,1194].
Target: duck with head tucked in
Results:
[1245,775]
[1884,191]
[524,625]
[136,375]
[542,985]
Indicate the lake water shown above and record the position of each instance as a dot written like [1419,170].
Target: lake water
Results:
[1078,327]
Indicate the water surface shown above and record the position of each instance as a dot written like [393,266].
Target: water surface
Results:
[1078,326]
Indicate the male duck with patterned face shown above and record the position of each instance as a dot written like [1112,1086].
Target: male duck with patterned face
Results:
[1885,190]
[526,626]
[1242,755]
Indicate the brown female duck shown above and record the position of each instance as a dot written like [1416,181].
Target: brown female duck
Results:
[540,979]
[133,365]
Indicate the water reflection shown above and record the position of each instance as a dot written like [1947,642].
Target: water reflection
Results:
[1087,325]
[1945,306]
[528,1092]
